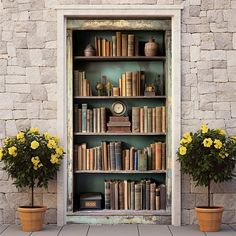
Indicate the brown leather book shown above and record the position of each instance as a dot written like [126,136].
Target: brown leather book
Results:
[130,45]
[158,155]
[158,119]
[163,119]
[124,43]
[128,84]
[118,44]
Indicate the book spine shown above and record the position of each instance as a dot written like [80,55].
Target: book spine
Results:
[124,43]
[163,119]
[104,155]
[114,46]
[132,195]
[76,118]
[87,121]
[142,83]
[118,158]
[158,120]
[98,120]
[103,47]
[75,157]
[121,195]
[99,47]
[84,118]
[91,121]
[126,160]
[96,45]
[162,197]
[145,120]
[149,120]
[123,85]
[163,156]
[135,160]
[131,158]
[153,120]
[136,46]
[112,155]
[116,195]
[76,83]
[130,45]
[153,196]
[83,146]
[149,158]
[103,119]
[128,81]
[80,157]
[95,120]
[118,44]
[134,84]
[141,120]
[142,160]
[158,155]
[87,159]
[107,195]
[91,159]
[138,198]
[135,119]
[157,198]
[147,205]
[125,194]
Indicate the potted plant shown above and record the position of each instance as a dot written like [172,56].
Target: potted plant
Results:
[31,159]
[208,155]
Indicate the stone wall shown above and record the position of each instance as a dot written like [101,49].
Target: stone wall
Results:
[28,84]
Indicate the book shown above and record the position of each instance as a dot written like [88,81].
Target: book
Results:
[128,85]
[118,156]
[138,198]
[163,156]
[104,156]
[153,196]
[157,198]
[112,155]
[107,194]
[103,119]
[130,45]
[163,119]
[134,84]
[135,119]
[121,195]
[114,46]
[76,83]
[84,118]
[158,119]
[142,160]
[158,155]
[132,195]
[162,197]
[118,44]
[84,162]
[147,197]
[124,45]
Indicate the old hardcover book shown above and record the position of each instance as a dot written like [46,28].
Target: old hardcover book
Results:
[88,121]
[84,118]
[134,83]
[142,160]
[116,195]
[112,155]
[113,46]
[153,120]
[135,160]
[99,47]
[87,159]
[121,195]
[112,196]
[138,198]
[149,158]
[158,155]
[163,156]
[158,119]
[162,197]
[118,157]
[142,82]
[126,158]
[163,119]
[135,119]
[131,158]
[141,120]
[91,159]
[76,83]
[149,120]
[103,119]
[76,118]
[84,162]
[145,120]
[103,47]
[130,45]
[132,195]
[136,46]
[128,85]
[104,155]
[153,196]
[80,157]
[157,198]
[108,156]
[91,121]
[143,194]
[118,118]
[124,43]
[75,157]
[98,120]
[147,198]
[99,157]
[107,194]
[118,44]
[126,194]
[80,120]
[118,124]
[123,85]
[96,45]
[118,130]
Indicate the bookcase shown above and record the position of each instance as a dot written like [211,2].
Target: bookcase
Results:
[124,157]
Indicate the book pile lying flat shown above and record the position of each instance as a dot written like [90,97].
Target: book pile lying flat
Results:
[119,124]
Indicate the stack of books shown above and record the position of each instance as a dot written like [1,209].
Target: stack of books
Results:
[119,124]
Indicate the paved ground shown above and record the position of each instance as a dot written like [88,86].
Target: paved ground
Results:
[117,230]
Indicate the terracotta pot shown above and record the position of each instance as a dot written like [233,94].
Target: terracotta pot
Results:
[151,48]
[32,218]
[209,218]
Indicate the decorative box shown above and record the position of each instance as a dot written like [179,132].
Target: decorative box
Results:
[90,201]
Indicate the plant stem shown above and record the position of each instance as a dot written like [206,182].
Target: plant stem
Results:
[209,192]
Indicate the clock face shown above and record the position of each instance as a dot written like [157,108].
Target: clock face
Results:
[118,108]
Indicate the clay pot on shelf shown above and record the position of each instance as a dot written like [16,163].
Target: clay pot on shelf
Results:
[89,51]
[151,48]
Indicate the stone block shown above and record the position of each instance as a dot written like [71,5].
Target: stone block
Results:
[214,16]
[2,84]
[50,200]
[207,5]
[3,47]
[49,57]
[188,200]
[204,115]
[38,198]
[185,66]
[194,11]
[3,201]
[6,101]
[38,92]
[194,53]
[233,109]
[190,80]
[206,101]
[219,4]
[195,2]
[185,54]
[51,91]
[223,40]
[51,45]
[25,26]
[206,87]
[225,92]
[221,106]
[19,114]
[231,73]
[34,41]
[231,55]
[11,50]
[219,27]
[3,176]
[41,29]
[36,15]
[9,215]
[6,36]
[5,114]
[18,88]
[222,199]
[51,216]
[218,55]
[20,42]
[199,28]
[220,75]
[49,105]
[3,66]
[14,70]
[22,97]
[49,15]
[219,123]
[193,217]
[187,109]
[201,199]
[48,114]
[8,186]
[23,124]
[33,109]
[207,41]
[33,75]
[219,64]
[185,216]
[19,106]
[2,132]
[45,125]
[52,3]
[229,217]
[223,114]
[36,57]
[186,39]
[11,128]
[205,55]
[15,79]
[48,74]
[52,187]
[196,39]
[15,200]
[24,16]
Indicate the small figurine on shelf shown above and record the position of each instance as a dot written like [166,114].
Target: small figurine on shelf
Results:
[149,90]
[108,88]
[99,88]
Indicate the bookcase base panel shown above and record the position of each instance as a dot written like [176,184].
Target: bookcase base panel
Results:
[128,219]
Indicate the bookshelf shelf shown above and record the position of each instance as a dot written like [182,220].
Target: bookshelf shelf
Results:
[134,58]
[120,212]
[119,134]
[120,172]
[118,97]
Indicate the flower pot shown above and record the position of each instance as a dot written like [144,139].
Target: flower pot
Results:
[209,218]
[32,218]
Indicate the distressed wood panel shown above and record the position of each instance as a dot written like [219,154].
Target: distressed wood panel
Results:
[114,24]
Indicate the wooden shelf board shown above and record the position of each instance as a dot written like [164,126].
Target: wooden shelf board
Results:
[120,172]
[122,134]
[118,213]
[118,97]
[134,58]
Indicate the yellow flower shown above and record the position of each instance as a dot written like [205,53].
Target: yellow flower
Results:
[1,154]
[222,132]
[52,144]
[207,142]
[47,136]
[54,159]
[222,156]
[34,144]
[218,144]
[182,150]
[35,160]
[226,154]
[204,128]
[35,167]
[187,138]
[12,151]
[59,151]
[34,130]
[20,135]
[7,140]
[56,138]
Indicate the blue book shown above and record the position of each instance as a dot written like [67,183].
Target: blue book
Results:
[84,118]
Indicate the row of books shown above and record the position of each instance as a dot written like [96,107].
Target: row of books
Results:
[89,120]
[110,156]
[132,83]
[134,195]
[149,119]
[81,84]
[120,45]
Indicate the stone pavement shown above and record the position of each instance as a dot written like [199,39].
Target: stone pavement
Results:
[117,230]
